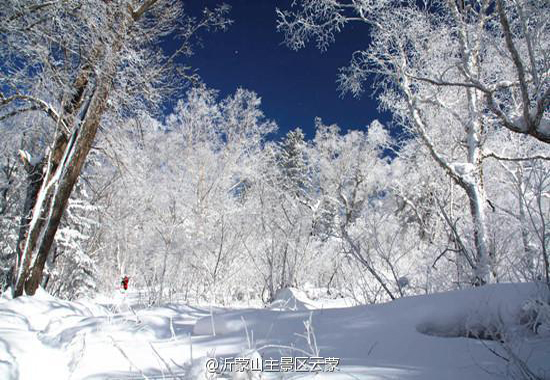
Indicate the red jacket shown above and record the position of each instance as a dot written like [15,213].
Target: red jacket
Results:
[124,282]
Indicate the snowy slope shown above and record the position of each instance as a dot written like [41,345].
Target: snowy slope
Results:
[411,338]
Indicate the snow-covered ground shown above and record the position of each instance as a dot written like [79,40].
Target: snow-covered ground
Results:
[421,337]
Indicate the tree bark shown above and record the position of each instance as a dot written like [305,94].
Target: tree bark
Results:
[34,182]
[477,210]
[65,163]
[69,170]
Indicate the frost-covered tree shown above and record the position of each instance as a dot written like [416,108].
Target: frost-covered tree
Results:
[519,204]
[82,66]
[281,240]
[179,219]
[71,271]
[443,71]
[500,48]
[11,182]
[293,164]
[352,172]
[18,149]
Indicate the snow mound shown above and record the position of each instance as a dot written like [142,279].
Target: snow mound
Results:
[292,299]
[41,310]
[479,313]
[43,295]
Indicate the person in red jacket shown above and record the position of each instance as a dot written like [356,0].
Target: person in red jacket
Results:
[124,283]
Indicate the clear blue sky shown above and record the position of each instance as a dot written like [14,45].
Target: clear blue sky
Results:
[295,87]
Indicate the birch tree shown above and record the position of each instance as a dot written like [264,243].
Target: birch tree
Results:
[513,34]
[443,71]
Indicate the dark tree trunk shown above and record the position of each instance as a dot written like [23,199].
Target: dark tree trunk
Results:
[34,182]
[36,179]
[77,150]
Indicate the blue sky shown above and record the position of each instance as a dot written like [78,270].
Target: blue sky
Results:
[295,86]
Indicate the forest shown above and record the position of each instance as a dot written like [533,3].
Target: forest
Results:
[116,159]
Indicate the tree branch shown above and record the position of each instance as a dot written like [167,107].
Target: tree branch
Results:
[516,159]
[39,105]
[517,62]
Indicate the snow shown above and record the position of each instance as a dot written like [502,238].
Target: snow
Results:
[32,160]
[420,337]
[463,168]
[291,299]
[309,299]
[519,122]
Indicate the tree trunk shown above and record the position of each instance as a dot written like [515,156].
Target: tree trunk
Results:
[75,156]
[34,182]
[476,198]
[65,164]
[37,179]
[66,160]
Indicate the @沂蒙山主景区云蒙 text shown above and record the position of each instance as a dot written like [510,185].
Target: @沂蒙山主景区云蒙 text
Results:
[284,364]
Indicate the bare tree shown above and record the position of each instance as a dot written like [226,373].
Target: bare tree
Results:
[83,66]
[509,31]
[351,172]
[443,70]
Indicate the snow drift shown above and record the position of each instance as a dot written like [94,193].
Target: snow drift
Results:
[421,337]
